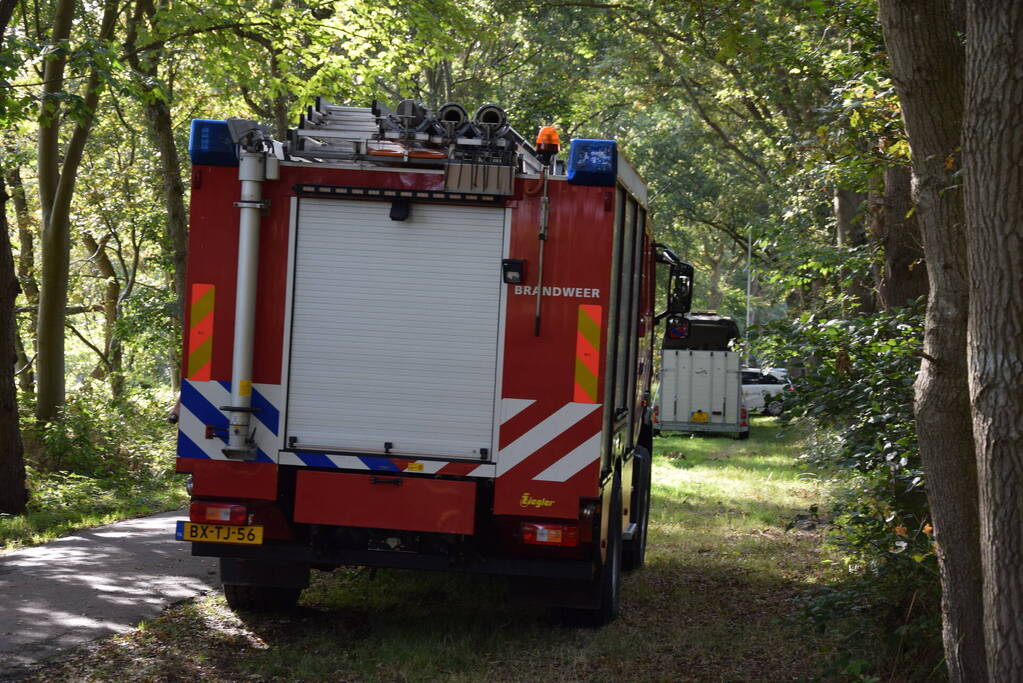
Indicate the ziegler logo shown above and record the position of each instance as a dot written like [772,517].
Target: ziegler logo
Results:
[528,501]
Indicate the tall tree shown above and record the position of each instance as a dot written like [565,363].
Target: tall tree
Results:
[927,58]
[993,154]
[157,97]
[58,174]
[13,493]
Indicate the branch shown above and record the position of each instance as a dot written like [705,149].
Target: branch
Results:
[102,356]
[26,366]
[695,101]
[70,310]
[158,44]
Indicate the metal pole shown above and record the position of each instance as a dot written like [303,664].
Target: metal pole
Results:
[545,207]
[251,173]
[749,280]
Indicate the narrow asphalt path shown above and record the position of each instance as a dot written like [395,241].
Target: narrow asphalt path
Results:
[92,584]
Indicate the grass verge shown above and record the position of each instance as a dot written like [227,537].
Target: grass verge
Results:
[717,601]
[63,503]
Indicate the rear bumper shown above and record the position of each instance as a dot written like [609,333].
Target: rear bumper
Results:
[471,564]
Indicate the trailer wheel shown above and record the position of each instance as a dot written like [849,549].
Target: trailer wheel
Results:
[261,598]
[604,589]
[634,551]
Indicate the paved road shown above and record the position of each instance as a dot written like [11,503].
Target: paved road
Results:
[92,584]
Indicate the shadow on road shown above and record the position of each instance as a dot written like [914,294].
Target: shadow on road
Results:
[91,584]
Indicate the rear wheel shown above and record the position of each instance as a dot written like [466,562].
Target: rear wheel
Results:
[774,407]
[261,598]
[604,590]
[262,586]
[634,550]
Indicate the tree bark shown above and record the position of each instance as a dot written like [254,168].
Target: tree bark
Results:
[849,209]
[161,133]
[158,115]
[13,492]
[56,190]
[927,59]
[26,273]
[715,297]
[993,154]
[110,362]
[904,272]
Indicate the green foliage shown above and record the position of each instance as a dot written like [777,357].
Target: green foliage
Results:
[96,438]
[64,502]
[858,391]
[97,463]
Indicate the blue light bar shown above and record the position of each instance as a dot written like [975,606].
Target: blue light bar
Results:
[593,162]
[210,143]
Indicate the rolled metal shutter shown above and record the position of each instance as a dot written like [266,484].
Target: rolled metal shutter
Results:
[394,333]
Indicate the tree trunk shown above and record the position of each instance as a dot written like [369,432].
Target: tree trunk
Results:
[927,60]
[161,131]
[850,212]
[904,273]
[26,273]
[56,242]
[13,492]
[110,363]
[992,140]
[715,297]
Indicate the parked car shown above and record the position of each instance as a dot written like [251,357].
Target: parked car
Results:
[763,391]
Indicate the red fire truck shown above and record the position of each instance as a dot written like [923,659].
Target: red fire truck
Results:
[416,340]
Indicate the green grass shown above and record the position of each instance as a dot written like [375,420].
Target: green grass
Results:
[716,602]
[63,503]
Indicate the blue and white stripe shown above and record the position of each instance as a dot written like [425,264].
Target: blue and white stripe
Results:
[200,406]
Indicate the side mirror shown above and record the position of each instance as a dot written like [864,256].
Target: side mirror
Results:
[680,283]
[680,296]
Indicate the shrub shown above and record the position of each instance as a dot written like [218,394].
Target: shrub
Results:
[857,390]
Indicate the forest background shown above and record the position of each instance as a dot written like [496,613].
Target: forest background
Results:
[816,146]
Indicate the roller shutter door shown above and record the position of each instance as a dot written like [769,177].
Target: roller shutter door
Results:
[394,332]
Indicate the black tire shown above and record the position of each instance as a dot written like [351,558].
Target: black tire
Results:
[261,598]
[634,551]
[604,590]
[742,436]
[774,407]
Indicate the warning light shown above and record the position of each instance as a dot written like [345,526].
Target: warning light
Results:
[548,138]
[547,144]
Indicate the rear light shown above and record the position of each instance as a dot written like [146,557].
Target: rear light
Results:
[219,513]
[657,414]
[743,418]
[565,535]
